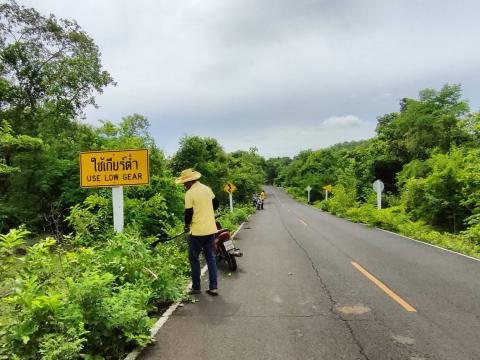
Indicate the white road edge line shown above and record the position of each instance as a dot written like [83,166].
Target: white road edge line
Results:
[166,315]
[425,243]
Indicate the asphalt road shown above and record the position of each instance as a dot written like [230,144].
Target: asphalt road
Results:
[310,287]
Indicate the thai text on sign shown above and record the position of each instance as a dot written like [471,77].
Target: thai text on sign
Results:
[114,168]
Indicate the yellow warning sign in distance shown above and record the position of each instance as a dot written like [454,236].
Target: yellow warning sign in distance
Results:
[229,187]
[114,168]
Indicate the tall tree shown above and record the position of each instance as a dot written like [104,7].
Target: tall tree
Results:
[45,60]
[204,155]
[49,72]
[428,124]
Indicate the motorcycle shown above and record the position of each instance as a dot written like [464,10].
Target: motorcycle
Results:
[224,248]
[259,204]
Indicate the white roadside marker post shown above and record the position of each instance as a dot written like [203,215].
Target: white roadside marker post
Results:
[378,186]
[308,188]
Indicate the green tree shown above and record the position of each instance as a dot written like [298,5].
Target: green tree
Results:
[49,71]
[434,192]
[45,60]
[206,156]
[274,166]
[246,171]
[425,125]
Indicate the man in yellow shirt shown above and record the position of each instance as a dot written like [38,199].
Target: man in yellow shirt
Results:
[200,204]
[262,199]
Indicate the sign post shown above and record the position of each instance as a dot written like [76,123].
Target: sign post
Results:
[378,186]
[230,189]
[328,188]
[117,200]
[308,188]
[115,169]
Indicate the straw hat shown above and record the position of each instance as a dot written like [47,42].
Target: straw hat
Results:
[188,175]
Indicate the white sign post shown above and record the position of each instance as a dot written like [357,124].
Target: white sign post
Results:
[230,188]
[117,200]
[328,188]
[308,188]
[115,169]
[378,187]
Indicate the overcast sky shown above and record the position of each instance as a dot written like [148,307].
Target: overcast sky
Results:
[281,75]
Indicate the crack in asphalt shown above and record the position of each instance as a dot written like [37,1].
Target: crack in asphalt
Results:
[271,317]
[324,287]
[256,316]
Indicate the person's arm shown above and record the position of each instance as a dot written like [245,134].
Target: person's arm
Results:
[215,204]
[188,219]
[188,211]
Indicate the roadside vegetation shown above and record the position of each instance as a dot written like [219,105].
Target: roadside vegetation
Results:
[70,287]
[428,156]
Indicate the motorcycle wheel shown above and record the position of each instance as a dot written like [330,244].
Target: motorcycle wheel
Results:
[231,261]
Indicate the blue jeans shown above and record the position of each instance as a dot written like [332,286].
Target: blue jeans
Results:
[195,245]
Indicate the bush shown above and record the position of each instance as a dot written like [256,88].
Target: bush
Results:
[240,214]
[93,220]
[472,235]
[95,300]
[340,201]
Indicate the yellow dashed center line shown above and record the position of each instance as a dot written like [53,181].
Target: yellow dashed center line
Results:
[382,286]
[303,222]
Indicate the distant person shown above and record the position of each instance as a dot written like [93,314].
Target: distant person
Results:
[262,199]
[200,204]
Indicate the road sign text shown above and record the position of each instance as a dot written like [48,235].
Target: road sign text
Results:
[114,168]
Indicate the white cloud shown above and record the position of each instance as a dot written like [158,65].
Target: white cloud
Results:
[337,122]
[288,140]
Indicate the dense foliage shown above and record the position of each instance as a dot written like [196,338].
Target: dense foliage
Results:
[245,169]
[49,71]
[70,287]
[427,154]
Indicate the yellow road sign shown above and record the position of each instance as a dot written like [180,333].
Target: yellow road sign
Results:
[328,188]
[229,187]
[114,168]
